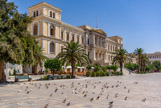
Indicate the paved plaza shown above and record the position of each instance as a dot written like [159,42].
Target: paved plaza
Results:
[130,91]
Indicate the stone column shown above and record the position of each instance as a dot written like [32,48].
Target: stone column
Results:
[48,47]
[65,37]
[43,27]
[43,46]
[48,29]
[60,33]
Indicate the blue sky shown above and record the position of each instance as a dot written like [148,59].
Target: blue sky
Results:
[137,21]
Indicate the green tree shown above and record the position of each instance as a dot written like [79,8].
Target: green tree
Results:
[17,45]
[157,65]
[11,46]
[139,52]
[54,65]
[73,53]
[120,58]
[144,62]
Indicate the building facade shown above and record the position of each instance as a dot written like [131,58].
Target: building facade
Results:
[52,33]
[154,57]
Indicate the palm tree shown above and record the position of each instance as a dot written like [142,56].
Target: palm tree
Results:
[73,53]
[139,52]
[144,61]
[130,57]
[120,58]
[38,57]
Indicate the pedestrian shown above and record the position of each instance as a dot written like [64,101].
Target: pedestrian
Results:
[85,72]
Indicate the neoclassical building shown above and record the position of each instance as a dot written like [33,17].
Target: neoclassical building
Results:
[154,56]
[52,33]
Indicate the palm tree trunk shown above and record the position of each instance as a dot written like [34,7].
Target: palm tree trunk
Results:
[73,68]
[144,67]
[53,72]
[2,74]
[139,64]
[121,68]
[34,69]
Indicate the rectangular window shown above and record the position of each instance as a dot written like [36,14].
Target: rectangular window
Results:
[50,14]
[73,37]
[78,39]
[53,15]
[67,36]
[82,41]
[62,34]
[62,48]
[34,14]
[37,13]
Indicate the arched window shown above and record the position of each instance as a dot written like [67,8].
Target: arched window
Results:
[35,29]
[72,37]
[52,48]
[52,30]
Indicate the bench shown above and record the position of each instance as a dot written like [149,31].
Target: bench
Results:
[17,78]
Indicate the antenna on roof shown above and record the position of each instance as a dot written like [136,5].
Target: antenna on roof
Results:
[96,22]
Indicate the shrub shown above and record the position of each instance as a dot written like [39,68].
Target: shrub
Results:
[97,73]
[107,73]
[58,77]
[61,77]
[14,72]
[103,73]
[68,77]
[88,73]
[104,68]
[45,78]
[89,67]
[114,68]
[93,74]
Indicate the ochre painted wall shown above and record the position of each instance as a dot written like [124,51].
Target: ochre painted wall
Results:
[45,28]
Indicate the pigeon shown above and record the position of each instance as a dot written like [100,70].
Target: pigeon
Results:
[83,92]
[129,91]
[68,103]
[97,97]
[85,95]
[125,98]
[111,103]
[47,105]
[91,99]
[19,91]
[64,100]
[56,89]
[28,92]
[51,95]
[116,95]
[143,100]
[107,96]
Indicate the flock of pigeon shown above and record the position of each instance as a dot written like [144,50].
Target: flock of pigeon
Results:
[79,88]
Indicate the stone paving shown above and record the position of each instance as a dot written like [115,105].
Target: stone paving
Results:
[130,91]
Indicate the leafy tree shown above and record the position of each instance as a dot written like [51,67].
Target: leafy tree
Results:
[54,65]
[17,45]
[157,65]
[73,53]
[120,58]
[139,52]
[11,46]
